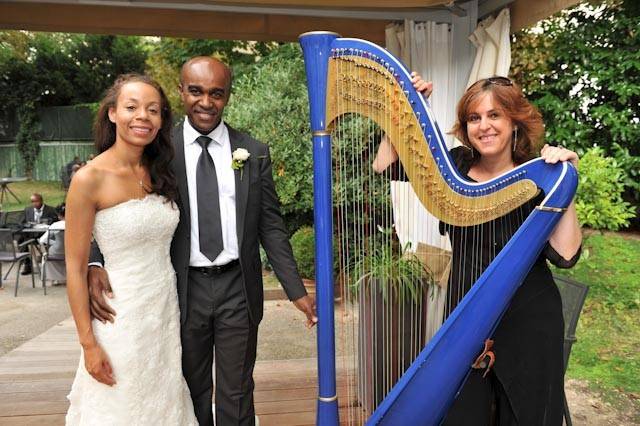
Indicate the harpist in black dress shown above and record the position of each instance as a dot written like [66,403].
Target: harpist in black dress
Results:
[500,129]
[526,383]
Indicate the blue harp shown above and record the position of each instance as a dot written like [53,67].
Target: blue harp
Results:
[349,77]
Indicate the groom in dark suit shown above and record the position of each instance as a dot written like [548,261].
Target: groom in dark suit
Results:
[228,205]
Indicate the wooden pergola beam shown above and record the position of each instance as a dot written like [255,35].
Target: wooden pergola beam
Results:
[262,20]
[526,13]
[368,4]
[82,18]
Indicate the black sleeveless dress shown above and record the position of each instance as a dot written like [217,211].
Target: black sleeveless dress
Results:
[525,386]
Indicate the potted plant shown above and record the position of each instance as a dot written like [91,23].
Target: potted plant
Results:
[391,293]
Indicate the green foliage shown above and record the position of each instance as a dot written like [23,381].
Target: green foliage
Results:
[303,245]
[92,106]
[27,137]
[391,272]
[606,353]
[18,81]
[99,60]
[582,70]
[50,69]
[599,200]
[361,197]
[355,144]
[177,51]
[270,103]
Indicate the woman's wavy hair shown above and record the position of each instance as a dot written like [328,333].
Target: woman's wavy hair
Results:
[157,156]
[522,113]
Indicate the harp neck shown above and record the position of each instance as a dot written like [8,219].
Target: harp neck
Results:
[355,76]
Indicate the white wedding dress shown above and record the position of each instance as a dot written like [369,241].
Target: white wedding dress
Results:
[143,343]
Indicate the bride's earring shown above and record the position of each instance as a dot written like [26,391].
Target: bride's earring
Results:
[515,138]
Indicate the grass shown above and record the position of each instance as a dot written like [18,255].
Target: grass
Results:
[607,353]
[52,193]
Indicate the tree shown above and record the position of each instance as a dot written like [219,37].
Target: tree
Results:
[53,69]
[100,59]
[50,69]
[27,137]
[581,68]
[270,103]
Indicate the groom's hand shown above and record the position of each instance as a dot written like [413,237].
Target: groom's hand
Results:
[307,304]
[99,286]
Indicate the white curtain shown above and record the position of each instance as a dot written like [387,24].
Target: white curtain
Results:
[431,54]
[492,41]
[426,47]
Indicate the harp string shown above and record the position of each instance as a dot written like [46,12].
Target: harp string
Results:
[381,353]
[381,335]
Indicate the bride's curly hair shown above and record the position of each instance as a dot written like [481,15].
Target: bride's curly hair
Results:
[157,155]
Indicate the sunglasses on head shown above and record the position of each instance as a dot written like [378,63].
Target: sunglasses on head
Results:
[498,81]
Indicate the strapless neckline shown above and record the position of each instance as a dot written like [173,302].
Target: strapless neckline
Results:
[127,202]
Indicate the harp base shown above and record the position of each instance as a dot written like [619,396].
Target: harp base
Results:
[327,413]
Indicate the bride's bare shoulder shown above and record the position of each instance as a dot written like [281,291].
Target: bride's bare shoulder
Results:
[90,179]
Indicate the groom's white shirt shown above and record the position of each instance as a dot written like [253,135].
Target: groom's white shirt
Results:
[220,150]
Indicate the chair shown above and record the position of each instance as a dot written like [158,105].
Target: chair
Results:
[53,251]
[573,295]
[12,219]
[10,253]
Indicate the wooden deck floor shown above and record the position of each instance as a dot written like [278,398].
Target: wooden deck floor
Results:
[36,377]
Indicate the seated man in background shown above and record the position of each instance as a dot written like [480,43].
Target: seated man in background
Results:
[53,240]
[37,213]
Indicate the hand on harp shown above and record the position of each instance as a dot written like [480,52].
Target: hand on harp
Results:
[552,154]
[423,87]
[307,305]
[386,154]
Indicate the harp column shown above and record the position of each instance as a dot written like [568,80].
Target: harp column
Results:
[317,48]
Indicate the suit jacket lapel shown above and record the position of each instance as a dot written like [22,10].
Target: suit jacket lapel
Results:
[180,170]
[242,183]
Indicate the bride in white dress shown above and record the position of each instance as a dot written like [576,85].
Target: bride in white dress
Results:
[130,370]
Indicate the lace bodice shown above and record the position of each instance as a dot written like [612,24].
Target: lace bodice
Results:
[140,228]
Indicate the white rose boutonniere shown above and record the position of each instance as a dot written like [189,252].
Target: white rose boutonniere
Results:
[238,158]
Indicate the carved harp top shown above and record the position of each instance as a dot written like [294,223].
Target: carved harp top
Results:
[363,78]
